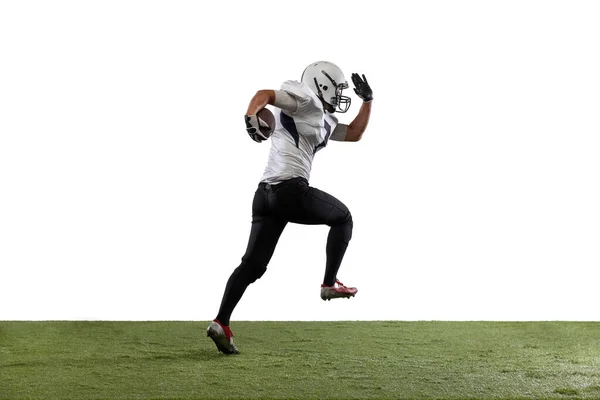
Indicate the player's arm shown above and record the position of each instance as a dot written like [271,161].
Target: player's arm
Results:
[358,126]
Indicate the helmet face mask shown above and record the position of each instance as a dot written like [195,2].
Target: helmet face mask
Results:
[341,102]
[328,82]
[337,102]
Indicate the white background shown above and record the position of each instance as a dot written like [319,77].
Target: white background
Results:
[126,175]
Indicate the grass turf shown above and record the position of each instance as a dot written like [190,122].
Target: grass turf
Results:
[301,360]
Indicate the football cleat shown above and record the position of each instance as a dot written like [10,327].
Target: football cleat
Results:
[334,292]
[222,336]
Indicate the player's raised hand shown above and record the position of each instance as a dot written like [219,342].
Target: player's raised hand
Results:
[362,88]
[253,124]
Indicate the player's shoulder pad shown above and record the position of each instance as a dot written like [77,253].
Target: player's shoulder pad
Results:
[301,92]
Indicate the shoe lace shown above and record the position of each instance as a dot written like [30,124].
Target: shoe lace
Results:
[228,332]
[226,329]
[340,283]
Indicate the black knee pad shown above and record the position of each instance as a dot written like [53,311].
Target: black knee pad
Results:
[343,228]
[349,227]
[349,220]
[252,270]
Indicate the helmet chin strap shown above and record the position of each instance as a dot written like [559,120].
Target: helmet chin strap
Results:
[329,107]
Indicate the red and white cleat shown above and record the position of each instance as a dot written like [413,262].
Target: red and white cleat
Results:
[222,336]
[338,290]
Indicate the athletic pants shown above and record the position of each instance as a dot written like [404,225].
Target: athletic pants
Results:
[272,208]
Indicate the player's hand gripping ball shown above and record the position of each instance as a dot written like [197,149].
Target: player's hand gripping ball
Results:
[260,126]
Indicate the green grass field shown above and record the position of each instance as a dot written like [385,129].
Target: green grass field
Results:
[301,360]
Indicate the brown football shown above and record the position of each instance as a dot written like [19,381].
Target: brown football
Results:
[268,118]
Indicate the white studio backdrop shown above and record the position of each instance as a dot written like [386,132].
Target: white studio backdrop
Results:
[126,175]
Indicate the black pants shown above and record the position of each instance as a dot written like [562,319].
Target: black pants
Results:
[273,207]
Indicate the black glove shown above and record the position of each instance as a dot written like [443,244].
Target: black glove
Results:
[362,88]
[253,124]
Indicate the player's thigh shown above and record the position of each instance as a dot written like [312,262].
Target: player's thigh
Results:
[264,235]
[319,207]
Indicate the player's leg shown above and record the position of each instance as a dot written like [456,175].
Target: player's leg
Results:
[320,207]
[308,205]
[264,236]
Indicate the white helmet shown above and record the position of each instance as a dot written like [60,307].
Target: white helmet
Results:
[327,81]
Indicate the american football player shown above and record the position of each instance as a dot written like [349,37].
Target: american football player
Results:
[305,122]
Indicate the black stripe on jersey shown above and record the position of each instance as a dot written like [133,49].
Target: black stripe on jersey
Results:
[290,125]
[324,142]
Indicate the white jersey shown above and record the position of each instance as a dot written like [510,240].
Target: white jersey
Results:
[298,135]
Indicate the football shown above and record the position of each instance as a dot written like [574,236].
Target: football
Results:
[266,120]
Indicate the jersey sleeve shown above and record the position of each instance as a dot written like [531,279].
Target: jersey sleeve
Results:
[306,100]
[339,133]
[285,101]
